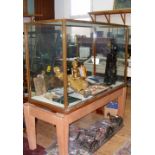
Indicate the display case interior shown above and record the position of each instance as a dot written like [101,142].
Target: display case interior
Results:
[72,62]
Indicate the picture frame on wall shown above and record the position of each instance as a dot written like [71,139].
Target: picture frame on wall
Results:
[122,4]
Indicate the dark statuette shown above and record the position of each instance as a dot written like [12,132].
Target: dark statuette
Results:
[111,66]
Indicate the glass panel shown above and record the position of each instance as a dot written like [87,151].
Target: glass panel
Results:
[79,49]
[31,7]
[45,47]
[88,47]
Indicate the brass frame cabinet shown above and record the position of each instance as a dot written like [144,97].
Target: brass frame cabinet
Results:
[73,68]
[53,45]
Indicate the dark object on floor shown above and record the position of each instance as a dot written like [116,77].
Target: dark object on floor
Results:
[26,151]
[111,66]
[87,141]
[115,119]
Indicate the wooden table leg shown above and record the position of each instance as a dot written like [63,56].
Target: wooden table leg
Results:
[30,126]
[62,129]
[121,102]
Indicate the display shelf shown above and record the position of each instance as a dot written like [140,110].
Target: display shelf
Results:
[109,13]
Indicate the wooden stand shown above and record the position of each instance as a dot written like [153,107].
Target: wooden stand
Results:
[62,121]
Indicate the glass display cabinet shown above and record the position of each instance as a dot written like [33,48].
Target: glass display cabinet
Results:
[72,63]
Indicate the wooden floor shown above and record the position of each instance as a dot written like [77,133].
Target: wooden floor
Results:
[46,132]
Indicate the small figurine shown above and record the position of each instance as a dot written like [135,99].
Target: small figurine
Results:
[111,66]
[83,71]
[58,73]
[74,80]
[75,70]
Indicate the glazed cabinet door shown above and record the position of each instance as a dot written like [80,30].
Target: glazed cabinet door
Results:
[40,9]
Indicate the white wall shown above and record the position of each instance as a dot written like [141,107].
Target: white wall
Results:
[99,5]
[62,9]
